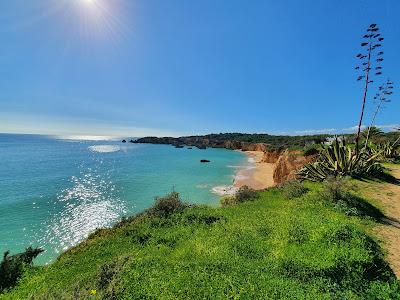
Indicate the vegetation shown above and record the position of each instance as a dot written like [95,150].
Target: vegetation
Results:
[293,189]
[382,97]
[370,60]
[275,142]
[244,194]
[12,267]
[373,135]
[386,151]
[167,205]
[267,248]
[339,160]
[340,192]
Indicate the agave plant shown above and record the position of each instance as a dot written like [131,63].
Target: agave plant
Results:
[339,160]
[386,150]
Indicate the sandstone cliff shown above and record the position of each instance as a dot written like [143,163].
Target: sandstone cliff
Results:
[287,165]
[271,156]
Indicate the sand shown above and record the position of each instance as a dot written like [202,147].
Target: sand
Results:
[259,175]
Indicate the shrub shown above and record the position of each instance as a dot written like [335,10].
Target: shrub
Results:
[106,278]
[335,189]
[228,201]
[298,234]
[293,189]
[12,267]
[311,150]
[339,192]
[245,194]
[167,205]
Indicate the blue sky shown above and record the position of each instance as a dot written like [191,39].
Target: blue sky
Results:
[129,67]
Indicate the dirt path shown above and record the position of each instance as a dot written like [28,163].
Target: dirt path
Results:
[387,197]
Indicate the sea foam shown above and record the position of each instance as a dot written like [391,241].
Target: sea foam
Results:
[105,148]
[224,190]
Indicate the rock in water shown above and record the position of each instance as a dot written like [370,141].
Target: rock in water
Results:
[204,161]
[124,141]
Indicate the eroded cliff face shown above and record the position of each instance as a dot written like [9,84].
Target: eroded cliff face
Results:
[271,157]
[288,164]
[244,146]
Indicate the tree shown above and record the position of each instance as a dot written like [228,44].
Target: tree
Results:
[12,267]
[382,97]
[370,60]
[372,132]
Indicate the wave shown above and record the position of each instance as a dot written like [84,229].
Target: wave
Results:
[240,177]
[224,190]
[203,186]
[234,166]
[87,137]
[104,148]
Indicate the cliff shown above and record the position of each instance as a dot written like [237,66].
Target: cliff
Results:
[288,164]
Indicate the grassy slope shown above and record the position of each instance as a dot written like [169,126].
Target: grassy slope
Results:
[268,248]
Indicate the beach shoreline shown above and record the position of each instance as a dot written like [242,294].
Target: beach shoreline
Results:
[257,175]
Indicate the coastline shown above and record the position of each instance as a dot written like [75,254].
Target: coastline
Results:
[255,174]
[258,175]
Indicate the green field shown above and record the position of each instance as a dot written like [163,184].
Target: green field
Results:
[269,248]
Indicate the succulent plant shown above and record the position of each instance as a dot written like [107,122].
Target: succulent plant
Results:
[340,160]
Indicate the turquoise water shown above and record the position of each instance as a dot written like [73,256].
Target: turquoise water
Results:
[55,191]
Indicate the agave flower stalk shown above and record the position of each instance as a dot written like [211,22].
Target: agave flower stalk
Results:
[385,90]
[372,41]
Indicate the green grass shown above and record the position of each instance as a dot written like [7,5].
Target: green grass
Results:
[269,248]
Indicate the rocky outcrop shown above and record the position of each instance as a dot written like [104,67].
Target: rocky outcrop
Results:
[271,157]
[288,164]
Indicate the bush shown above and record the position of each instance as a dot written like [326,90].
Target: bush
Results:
[12,267]
[167,205]
[336,189]
[311,150]
[339,192]
[293,189]
[244,194]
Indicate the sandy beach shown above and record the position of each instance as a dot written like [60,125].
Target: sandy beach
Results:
[259,175]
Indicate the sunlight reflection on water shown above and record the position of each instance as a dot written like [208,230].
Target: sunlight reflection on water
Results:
[89,203]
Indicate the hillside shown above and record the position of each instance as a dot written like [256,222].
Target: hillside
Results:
[241,141]
[271,247]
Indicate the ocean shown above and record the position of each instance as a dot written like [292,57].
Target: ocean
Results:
[57,190]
